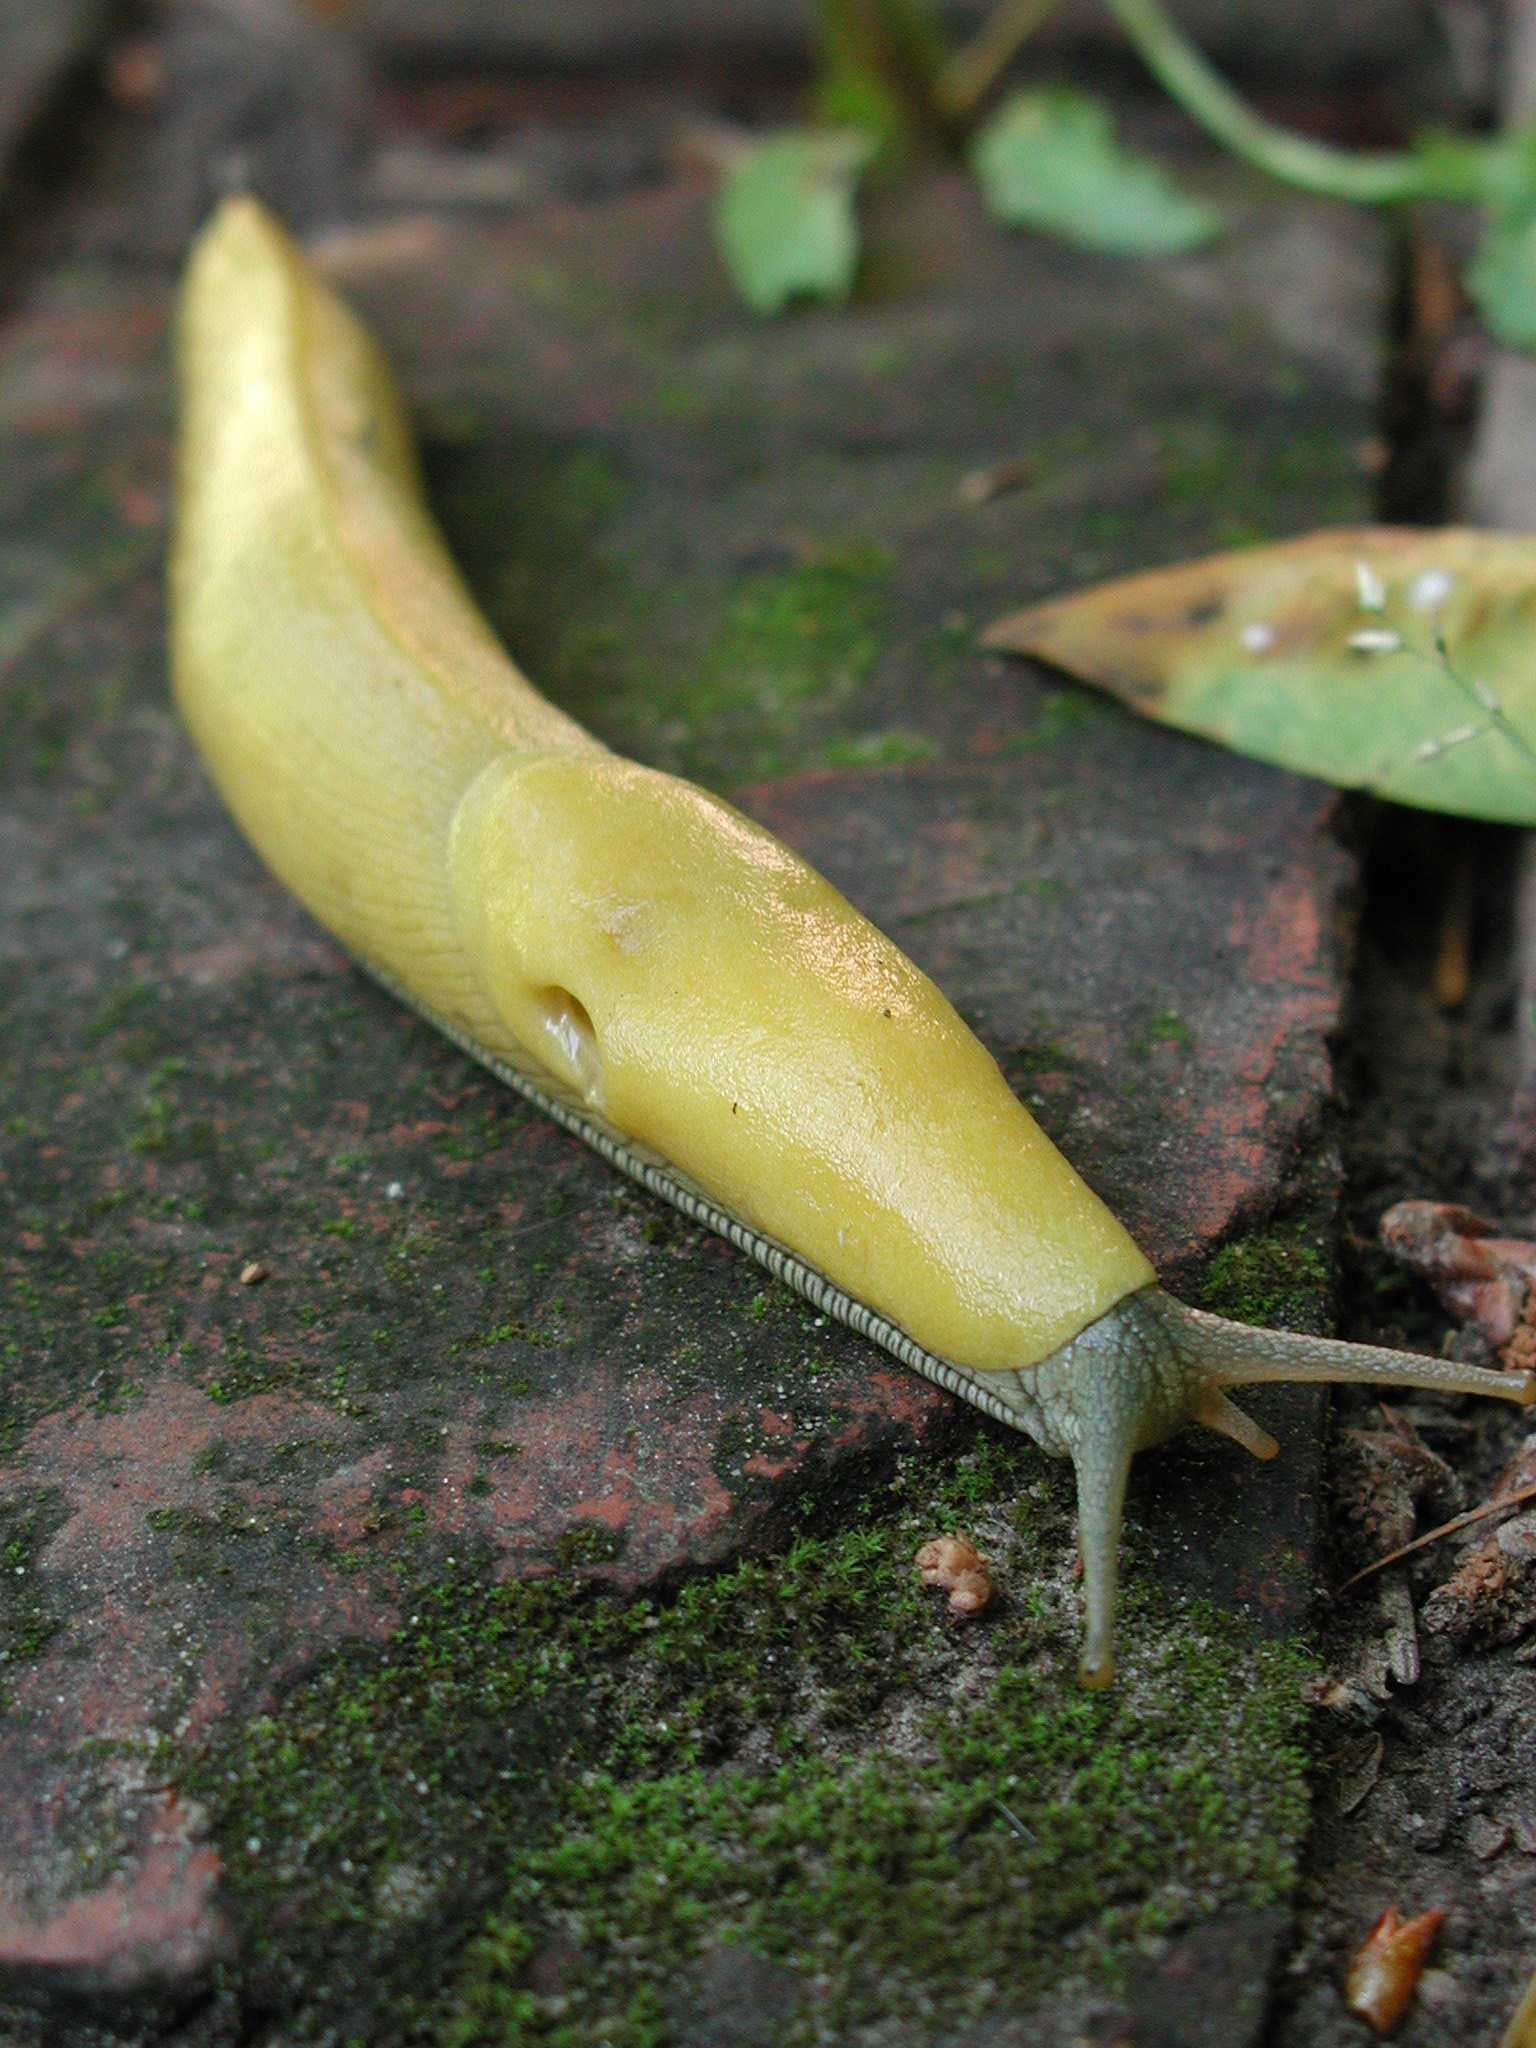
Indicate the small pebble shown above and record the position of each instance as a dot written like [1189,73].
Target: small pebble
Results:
[1485,1837]
[252,1273]
[1523,1827]
[1440,1994]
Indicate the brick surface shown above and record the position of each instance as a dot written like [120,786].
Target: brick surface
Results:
[471,1335]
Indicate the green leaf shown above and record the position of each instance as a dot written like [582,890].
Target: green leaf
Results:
[1050,160]
[1376,658]
[1502,277]
[785,220]
[1502,280]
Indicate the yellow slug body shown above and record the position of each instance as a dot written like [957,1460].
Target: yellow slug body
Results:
[658,960]
[647,964]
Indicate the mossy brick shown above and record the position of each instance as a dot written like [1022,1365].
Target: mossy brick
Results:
[395,1563]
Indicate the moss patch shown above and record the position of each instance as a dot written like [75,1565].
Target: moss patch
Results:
[725,672]
[526,1817]
[1281,1277]
[27,1621]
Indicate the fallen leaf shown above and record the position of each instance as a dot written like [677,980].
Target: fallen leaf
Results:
[996,479]
[1502,278]
[1480,1277]
[1049,159]
[1428,698]
[1489,1573]
[1387,1967]
[1383,1476]
[956,1567]
[354,255]
[1491,1597]
[785,221]
[1356,1767]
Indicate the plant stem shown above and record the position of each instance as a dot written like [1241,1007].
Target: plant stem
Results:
[1379,178]
[919,41]
[972,72]
[891,48]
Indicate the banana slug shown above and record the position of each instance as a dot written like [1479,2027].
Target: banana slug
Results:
[633,955]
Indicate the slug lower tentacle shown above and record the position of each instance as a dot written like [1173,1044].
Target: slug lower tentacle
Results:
[636,957]
[1150,1365]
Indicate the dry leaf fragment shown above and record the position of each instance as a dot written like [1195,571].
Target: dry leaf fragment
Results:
[996,480]
[1491,1596]
[1384,1476]
[1356,1766]
[355,255]
[1388,1965]
[956,1567]
[1481,1278]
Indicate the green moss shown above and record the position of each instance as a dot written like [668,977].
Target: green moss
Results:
[888,749]
[1280,1277]
[37,732]
[897,1883]
[524,1817]
[587,1543]
[730,680]
[723,676]
[27,1621]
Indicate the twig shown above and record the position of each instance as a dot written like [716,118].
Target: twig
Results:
[1481,694]
[1379,178]
[1453,956]
[972,72]
[1516,1499]
[1014,1822]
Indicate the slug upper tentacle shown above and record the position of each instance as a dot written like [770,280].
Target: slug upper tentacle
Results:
[637,957]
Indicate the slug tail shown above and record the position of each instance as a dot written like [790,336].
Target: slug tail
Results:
[1235,1355]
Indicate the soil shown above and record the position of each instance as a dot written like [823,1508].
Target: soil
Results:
[1425,1097]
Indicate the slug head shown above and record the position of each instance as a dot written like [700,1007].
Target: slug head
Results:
[1150,1365]
[1118,1387]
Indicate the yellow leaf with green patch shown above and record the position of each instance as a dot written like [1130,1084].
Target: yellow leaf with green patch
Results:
[1391,659]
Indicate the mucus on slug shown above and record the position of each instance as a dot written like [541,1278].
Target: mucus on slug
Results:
[465,841]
